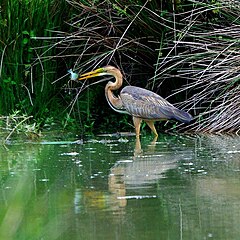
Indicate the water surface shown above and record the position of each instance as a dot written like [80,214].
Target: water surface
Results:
[112,187]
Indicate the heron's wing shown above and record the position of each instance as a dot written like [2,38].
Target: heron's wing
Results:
[145,104]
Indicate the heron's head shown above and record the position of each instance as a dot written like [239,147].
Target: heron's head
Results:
[108,70]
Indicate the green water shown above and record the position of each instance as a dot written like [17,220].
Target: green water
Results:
[180,187]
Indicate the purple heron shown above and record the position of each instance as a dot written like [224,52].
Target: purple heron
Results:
[138,102]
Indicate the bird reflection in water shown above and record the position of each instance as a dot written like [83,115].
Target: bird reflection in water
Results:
[141,171]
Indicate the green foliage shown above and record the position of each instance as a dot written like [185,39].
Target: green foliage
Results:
[24,87]
[20,124]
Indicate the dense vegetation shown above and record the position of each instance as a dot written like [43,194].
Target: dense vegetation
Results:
[187,51]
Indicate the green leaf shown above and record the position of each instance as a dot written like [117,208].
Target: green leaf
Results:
[25,41]
[7,80]
[25,32]
[32,34]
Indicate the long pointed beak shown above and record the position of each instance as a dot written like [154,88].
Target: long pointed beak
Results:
[91,74]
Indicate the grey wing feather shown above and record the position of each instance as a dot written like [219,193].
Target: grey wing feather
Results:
[145,104]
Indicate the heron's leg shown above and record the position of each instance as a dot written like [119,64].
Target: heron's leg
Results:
[138,149]
[151,125]
[137,124]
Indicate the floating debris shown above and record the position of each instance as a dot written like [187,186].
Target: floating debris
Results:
[70,154]
[80,141]
[235,151]
[138,197]
[44,180]
[118,134]
[125,161]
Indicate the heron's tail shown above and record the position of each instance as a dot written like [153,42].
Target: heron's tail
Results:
[182,116]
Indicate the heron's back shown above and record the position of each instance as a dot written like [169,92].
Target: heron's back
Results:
[145,104]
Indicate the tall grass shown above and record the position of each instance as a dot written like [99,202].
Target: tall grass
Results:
[23,87]
[208,57]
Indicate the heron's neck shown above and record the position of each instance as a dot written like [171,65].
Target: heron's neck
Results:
[118,81]
[114,101]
